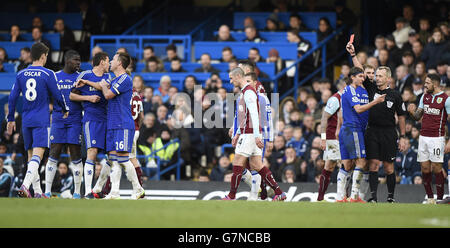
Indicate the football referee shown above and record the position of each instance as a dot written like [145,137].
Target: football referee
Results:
[381,137]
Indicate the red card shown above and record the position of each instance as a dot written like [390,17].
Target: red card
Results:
[351,38]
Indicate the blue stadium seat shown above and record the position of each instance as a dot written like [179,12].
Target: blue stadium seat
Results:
[13,48]
[275,36]
[53,38]
[85,66]
[310,19]
[9,67]
[7,81]
[240,49]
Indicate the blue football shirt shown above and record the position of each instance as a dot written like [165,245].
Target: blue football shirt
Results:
[93,111]
[363,99]
[350,99]
[65,84]
[35,83]
[119,107]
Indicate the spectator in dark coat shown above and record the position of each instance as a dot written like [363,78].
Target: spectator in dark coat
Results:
[436,50]
[218,171]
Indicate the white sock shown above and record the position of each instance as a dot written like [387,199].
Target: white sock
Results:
[130,172]
[104,174]
[356,183]
[341,183]
[116,173]
[364,185]
[50,171]
[256,183]
[247,177]
[88,176]
[32,171]
[77,171]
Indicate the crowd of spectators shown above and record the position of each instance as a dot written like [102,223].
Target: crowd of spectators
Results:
[415,48]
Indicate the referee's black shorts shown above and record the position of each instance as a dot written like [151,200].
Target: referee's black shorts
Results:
[381,143]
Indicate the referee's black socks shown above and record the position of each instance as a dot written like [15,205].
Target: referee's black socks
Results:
[390,181]
[373,184]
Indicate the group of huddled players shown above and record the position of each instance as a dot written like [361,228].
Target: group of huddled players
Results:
[112,113]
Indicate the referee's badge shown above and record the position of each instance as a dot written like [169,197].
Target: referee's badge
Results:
[389,104]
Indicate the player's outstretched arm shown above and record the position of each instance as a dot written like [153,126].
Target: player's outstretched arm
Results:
[56,93]
[362,108]
[323,128]
[80,98]
[12,100]
[414,112]
[106,90]
[351,50]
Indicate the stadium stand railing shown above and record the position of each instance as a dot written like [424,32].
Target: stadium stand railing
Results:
[321,45]
[148,20]
[136,43]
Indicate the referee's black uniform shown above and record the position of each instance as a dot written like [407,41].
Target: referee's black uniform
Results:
[381,135]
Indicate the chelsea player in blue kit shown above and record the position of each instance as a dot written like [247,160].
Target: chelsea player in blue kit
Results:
[351,136]
[88,91]
[120,126]
[35,83]
[68,130]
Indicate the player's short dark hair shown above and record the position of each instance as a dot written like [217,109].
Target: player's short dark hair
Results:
[379,37]
[70,54]
[434,78]
[355,70]
[252,75]
[98,57]
[248,63]
[295,15]
[37,49]
[124,59]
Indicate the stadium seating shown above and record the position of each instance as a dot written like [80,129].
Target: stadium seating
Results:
[310,19]
[53,38]
[13,48]
[275,36]
[9,67]
[136,43]
[152,79]
[286,51]
[268,68]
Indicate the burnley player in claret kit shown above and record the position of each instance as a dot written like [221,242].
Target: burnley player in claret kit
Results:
[433,109]
[137,111]
[35,83]
[330,143]
[248,140]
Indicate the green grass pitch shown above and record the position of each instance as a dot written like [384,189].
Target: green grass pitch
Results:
[57,213]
